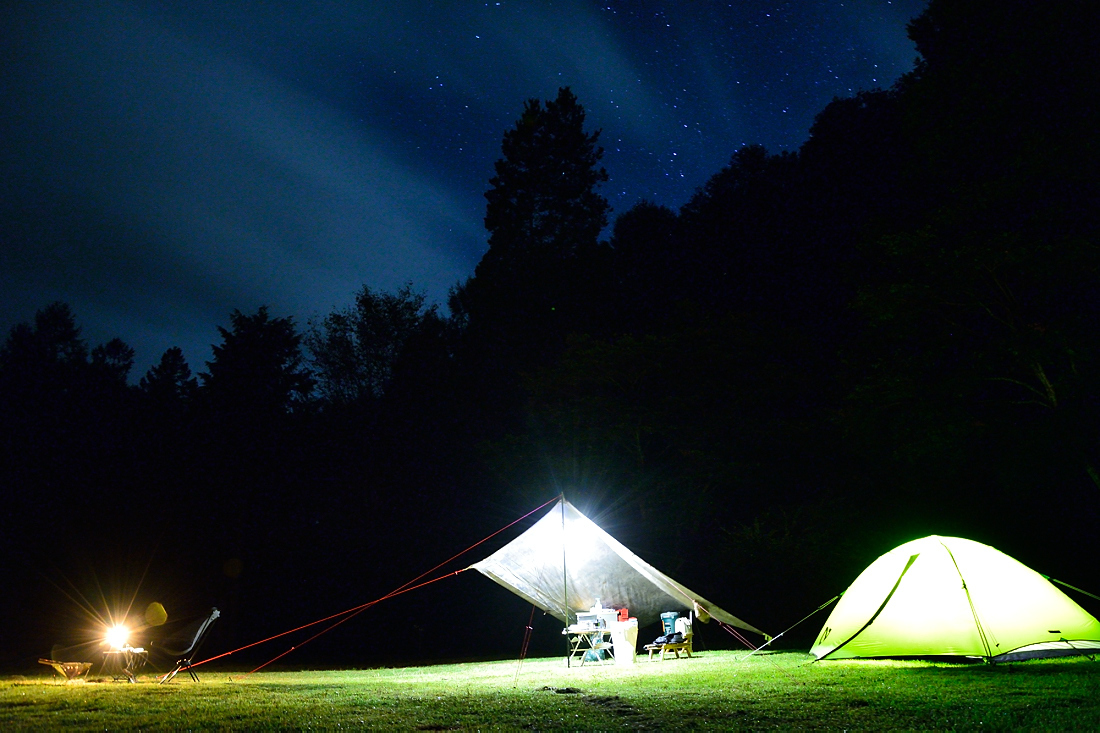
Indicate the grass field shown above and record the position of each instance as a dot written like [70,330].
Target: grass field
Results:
[718,690]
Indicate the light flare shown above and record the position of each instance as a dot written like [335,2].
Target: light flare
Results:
[118,636]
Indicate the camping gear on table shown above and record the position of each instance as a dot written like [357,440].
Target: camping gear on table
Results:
[948,596]
[124,662]
[668,621]
[601,618]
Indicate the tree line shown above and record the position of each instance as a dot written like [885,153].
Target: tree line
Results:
[888,333]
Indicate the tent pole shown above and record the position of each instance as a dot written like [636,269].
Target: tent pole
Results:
[973,611]
[912,559]
[564,583]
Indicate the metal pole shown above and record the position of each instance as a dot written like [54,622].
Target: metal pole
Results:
[565,584]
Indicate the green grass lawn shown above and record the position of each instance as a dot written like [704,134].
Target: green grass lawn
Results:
[722,690]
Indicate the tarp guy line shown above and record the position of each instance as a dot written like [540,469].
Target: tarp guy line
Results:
[358,609]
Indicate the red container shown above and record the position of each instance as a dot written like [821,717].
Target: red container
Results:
[624,614]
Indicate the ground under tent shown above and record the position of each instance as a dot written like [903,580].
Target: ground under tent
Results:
[953,597]
[565,564]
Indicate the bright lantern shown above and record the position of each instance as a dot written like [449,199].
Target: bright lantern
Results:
[117,636]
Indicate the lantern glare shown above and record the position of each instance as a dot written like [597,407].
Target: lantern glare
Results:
[117,636]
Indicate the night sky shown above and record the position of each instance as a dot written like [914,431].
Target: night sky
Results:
[163,163]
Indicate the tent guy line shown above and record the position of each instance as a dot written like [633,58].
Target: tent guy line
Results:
[351,613]
[348,614]
[356,613]
[1072,587]
[770,639]
[565,563]
[526,640]
[609,568]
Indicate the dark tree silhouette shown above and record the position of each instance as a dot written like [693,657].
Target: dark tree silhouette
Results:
[113,360]
[169,383]
[354,350]
[976,371]
[545,274]
[48,376]
[544,217]
[52,342]
[257,372]
[43,370]
[254,414]
[67,427]
[740,224]
[650,274]
[543,203]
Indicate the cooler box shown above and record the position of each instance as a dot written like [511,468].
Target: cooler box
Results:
[668,621]
[624,637]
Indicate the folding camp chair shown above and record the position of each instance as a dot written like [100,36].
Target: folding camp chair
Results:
[184,646]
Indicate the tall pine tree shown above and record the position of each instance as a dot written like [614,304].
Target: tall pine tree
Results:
[544,217]
[545,269]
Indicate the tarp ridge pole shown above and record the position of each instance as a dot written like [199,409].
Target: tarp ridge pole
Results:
[564,583]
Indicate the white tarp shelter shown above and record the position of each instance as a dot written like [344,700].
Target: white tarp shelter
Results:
[564,562]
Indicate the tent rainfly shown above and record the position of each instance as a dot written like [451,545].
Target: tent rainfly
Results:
[947,596]
[564,562]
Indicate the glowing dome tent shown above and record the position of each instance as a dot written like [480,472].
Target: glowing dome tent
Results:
[947,596]
[564,562]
